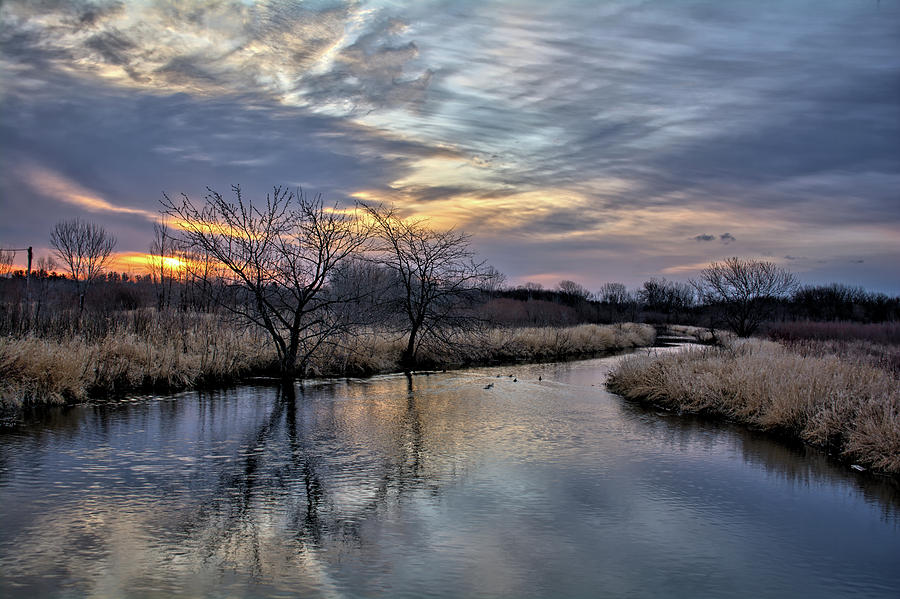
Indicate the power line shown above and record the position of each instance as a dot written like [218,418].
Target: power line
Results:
[28,272]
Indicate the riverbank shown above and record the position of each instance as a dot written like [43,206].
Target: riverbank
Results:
[845,403]
[170,354]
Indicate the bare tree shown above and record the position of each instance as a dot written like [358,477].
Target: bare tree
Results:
[277,257]
[494,281]
[45,266]
[617,299]
[163,264]
[744,290]
[436,273]
[84,248]
[668,297]
[613,293]
[6,262]
[573,290]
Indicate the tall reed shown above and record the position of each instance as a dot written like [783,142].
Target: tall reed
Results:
[845,405]
[169,351]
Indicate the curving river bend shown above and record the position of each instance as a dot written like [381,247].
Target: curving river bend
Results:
[430,486]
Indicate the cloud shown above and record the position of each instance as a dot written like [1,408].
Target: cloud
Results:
[725,238]
[607,134]
[336,58]
[57,186]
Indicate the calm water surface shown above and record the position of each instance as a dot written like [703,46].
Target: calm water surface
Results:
[430,486]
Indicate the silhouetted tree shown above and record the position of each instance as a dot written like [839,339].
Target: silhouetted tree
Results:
[613,293]
[6,262]
[494,281]
[830,302]
[668,297]
[573,290]
[620,303]
[84,249]
[277,257]
[745,290]
[163,264]
[436,274]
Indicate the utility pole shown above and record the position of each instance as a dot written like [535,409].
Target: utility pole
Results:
[28,271]
[28,277]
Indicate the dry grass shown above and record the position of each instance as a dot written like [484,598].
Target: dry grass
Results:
[877,344]
[370,352]
[34,370]
[702,334]
[198,350]
[533,344]
[882,333]
[844,404]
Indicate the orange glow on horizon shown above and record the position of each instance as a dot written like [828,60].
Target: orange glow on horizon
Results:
[143,263]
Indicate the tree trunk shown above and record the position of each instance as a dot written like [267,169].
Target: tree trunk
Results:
[408,360]
[288,365]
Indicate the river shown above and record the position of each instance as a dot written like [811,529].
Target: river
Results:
[541,485]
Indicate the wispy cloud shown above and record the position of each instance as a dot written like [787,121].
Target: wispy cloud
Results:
[60,188]
[590,131]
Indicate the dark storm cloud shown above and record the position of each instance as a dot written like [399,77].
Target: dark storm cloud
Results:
[705,237]
[726,238]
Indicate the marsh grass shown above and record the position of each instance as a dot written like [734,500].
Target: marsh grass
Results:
[166,352]
[877,344]
[701,334]
[844,404]
[166,357]
[881,333]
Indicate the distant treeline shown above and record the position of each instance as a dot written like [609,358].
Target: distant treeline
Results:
[657,301]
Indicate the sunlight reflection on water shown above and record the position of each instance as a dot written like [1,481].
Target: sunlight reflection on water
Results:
[430,486]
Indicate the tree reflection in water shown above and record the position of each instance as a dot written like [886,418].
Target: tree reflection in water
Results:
[371,486]
[285,478]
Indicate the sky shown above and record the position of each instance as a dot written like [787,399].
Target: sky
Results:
[592,141]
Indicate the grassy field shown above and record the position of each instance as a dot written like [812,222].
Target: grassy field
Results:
[840,397]
[877,344]
[169,352]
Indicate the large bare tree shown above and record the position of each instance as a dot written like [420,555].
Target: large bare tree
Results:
[277,256]
[84,248]
[436,274]
[745,291]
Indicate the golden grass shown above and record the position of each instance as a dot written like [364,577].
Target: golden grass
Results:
[369,352]
[525,344]
[701,334]
[199,350]
[849,406]
[34,370]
